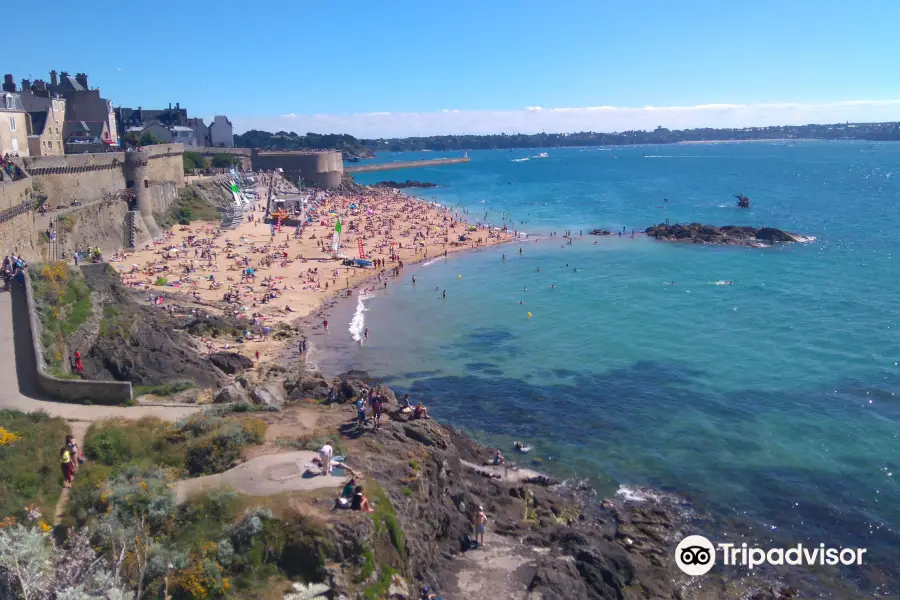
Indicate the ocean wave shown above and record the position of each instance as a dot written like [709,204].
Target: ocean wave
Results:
[803,239]
[358,322]
[721,282]
[432,261]
[520,159]
[629,493]
[674,156]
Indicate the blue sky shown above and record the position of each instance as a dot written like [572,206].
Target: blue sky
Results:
[474,66]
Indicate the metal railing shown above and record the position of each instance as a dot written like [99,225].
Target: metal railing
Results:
[20,209]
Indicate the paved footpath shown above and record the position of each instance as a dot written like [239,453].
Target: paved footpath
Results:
[18,382]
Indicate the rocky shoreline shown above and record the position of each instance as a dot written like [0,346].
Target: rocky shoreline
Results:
[544,540]
[698,233]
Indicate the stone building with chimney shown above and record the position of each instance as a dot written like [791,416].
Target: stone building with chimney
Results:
[13,125]
[89,122]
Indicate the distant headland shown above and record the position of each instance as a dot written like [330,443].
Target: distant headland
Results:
[352,147]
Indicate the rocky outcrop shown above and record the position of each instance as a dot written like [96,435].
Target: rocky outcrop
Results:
[267,395]
[558,544]
[145,345]
[409,183]
[233,394]
[230,363]
[600,232]
[698,233]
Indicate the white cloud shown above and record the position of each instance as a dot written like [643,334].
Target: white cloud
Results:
[534,119]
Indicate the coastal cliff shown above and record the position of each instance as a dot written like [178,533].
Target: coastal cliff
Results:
[698,233]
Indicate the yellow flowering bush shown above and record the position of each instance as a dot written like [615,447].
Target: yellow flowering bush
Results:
[8,437]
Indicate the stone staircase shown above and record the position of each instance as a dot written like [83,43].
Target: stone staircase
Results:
[130,229]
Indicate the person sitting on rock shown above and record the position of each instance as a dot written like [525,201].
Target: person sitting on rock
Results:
[498,458]
[360,502]
[420,412]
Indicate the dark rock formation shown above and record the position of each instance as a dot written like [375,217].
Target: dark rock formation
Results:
[600,232]
[233,394]
[728,234]
[230,363]
[145,345]
[307,386]
[409,183]
[568,546]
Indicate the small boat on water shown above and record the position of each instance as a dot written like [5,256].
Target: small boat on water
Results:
[522,447]
[542,155]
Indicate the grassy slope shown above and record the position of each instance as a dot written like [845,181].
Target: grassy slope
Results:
[29,467]
[63,303]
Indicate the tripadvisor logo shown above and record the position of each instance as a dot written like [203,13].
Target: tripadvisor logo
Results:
[695,555]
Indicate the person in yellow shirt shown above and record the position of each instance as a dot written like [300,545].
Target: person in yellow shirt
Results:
[65,458]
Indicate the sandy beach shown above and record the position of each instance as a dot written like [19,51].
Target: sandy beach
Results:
[293,273]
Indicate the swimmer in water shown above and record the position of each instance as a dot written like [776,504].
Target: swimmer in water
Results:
[503,257]
[414,278]
[526,289]
[521,302]
[444,294]
[520,251]
[538,269]
[574,269]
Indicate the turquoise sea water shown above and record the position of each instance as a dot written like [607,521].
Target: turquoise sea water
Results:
[773,400]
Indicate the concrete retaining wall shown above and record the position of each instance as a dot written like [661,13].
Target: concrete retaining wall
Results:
[70,390]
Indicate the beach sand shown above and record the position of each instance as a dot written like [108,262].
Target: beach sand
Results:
[417,229]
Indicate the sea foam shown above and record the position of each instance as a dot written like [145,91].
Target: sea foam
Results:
[358,322]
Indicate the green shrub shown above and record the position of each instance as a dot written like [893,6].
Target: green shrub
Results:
[215,452]
[384,517]
[163,389]
[29,465]
[380,588]
[63,304]
[84,497]
[117,443]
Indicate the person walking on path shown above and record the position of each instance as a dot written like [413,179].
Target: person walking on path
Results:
[480,522]
[65,459]
[74,453]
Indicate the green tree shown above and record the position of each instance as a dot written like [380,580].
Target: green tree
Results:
[225,161]
[192,161]
[148,139]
